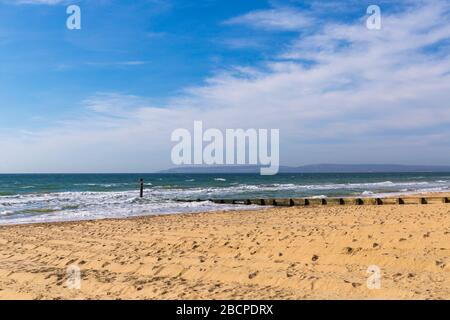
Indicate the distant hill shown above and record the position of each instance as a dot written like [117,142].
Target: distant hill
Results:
[314,168]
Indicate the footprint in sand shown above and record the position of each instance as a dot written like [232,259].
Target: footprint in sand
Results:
[348,250]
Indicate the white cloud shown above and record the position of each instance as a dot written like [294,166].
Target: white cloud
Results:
[286,19]
[363,96]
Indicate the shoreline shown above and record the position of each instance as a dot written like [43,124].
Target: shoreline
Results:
[442,194]
[148,216]
[320,252]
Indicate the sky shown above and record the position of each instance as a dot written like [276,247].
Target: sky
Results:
[107,97]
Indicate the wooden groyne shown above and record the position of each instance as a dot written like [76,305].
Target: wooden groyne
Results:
[293,202]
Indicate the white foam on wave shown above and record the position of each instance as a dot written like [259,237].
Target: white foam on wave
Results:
[72,206]
[277,187]
[67,206]
[107,185]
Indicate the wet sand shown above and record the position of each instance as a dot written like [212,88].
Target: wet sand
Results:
[273,253]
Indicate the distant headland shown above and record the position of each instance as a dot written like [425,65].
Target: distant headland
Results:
[314,168]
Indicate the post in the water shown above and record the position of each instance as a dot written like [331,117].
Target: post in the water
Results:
[142,188]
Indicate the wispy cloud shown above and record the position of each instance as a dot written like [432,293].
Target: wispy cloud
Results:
[100,64]
[114,104]
[117,63]
[284,19]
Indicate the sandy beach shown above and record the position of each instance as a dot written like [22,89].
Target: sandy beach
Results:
[273,253]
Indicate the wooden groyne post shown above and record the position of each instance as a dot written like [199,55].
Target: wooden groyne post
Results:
[291,202]
[141,194]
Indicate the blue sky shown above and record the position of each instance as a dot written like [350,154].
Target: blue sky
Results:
[151,48]
[75,100]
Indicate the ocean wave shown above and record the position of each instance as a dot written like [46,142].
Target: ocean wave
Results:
[108,185]
[68,206]
[174,191]
[297,187]
[162,199]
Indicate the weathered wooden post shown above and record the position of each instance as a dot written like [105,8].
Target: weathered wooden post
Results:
[142,188]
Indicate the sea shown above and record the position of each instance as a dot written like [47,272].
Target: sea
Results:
[35,198]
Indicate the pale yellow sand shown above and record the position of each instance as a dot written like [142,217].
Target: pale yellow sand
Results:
[281,253]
